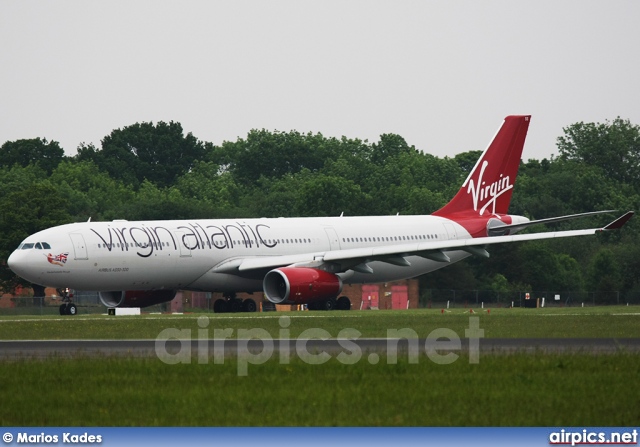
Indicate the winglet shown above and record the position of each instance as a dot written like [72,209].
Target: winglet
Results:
[619,222]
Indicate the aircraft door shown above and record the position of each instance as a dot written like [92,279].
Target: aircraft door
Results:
[451,231]
[184,243]
[334,241]
[79,246]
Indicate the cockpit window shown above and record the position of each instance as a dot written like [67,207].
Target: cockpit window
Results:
[36,245]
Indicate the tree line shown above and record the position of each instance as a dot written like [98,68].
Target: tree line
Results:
[155,171]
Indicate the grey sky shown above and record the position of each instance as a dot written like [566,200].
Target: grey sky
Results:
[443,74]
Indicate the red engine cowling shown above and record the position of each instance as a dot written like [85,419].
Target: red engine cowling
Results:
[300,285]
[136,298]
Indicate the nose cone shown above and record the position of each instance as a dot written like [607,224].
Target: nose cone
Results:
[17,263]
[21,262]
[31,264]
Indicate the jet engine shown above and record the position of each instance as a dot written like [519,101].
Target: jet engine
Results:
[136,298]
[300,285]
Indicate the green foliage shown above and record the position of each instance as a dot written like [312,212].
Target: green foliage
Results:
[389,146]
[330,196]
[569,273]
[36,151]
[154,203]
[140,152]
[467,160]
[26,211]
[499,283]
[214,189]
[604,273]
[614,146]
[460,275]
[275,154]
[91,193]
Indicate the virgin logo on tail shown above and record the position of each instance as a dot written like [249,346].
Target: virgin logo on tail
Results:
[490,183]
[481,191]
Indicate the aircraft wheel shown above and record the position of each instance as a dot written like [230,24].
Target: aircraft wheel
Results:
[249,305]
[72,309]
[220,306]
[235,305]
[63,309]
[343,303]
[329,304]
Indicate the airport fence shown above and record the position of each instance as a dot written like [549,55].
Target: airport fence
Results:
[89,302]
[483,298]
[86,303]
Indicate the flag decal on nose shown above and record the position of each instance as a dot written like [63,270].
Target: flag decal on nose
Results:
[60,259]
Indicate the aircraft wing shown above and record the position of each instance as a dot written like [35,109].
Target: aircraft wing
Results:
[500,229]
[395,254]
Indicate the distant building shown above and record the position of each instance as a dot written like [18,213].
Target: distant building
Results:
[393,295]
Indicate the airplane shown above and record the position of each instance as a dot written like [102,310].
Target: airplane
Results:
[291,260]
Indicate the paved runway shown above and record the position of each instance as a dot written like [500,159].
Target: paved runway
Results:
[232,347]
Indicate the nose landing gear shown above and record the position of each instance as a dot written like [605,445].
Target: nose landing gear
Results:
[67,307]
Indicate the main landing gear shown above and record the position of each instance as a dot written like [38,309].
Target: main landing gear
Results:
[67,307]
[230,303]
[342,303]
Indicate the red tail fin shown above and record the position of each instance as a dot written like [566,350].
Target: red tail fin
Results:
[489,187]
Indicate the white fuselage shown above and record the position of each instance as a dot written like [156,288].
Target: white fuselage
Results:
[192,254]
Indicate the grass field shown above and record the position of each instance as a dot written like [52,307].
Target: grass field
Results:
[501,390]
[516,390]
[578,322]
